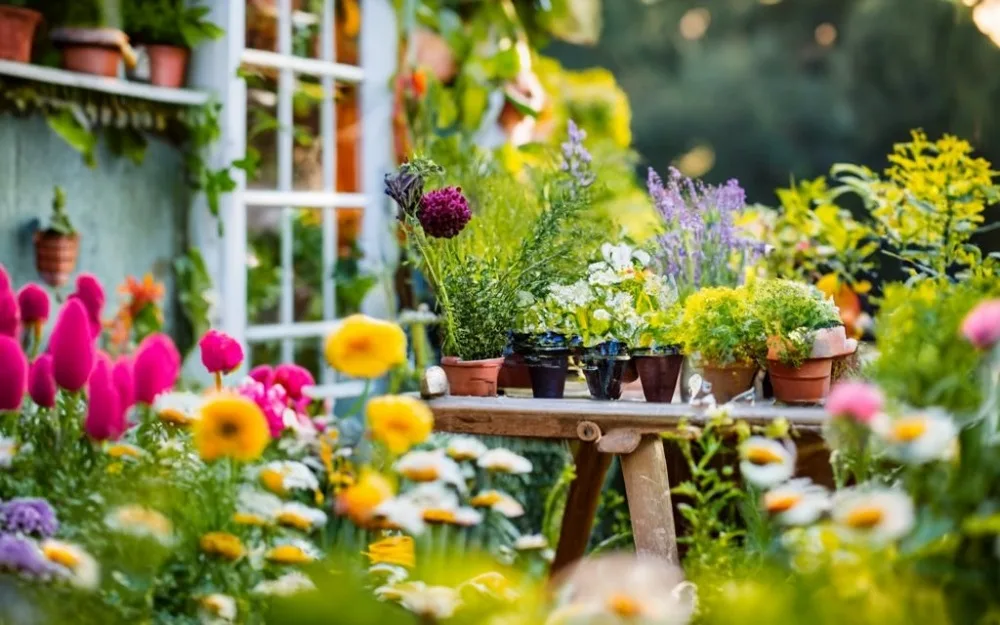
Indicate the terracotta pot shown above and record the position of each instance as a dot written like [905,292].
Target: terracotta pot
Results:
[167,65]
[729,381]
[548,376]
[55,257]
[805,384]
[474,378]
[659,373]
[17,32]
[514,373]
[92,59]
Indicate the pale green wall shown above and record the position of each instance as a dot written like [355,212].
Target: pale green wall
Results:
[131,218]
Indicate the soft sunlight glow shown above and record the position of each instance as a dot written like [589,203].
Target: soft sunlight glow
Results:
[694,23]
[697,162]
[986,15]
[826,34]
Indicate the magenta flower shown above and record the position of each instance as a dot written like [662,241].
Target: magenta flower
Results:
[5,283]
[121,376]
[220,353]
[855,400]
[42,382]
[156,367]
[981,326]
[443,213]
[13,374]
[34,303]
[263,374]
[293,378]
[91,293]
[10,314]
[273,402]
[105,417]
[72,347]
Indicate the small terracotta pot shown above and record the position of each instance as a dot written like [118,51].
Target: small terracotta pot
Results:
[514,373]
[473,378]
[92,59]
[548,376]
[805,384]
[167,65]
[729,381]
[17,32]
[55,257]
[659,373]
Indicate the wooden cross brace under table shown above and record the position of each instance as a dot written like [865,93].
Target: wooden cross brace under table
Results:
[629,429]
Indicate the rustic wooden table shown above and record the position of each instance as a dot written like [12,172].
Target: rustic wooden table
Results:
[629,428]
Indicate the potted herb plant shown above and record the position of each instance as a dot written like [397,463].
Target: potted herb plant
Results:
[89,38]
[543,345]
[724,338]
[168,30]
[17,30]
[57,247]
[804,334]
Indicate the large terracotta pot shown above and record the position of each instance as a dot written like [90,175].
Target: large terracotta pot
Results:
[475,378]
[17,32]
[729,381]
[167,65]
[99,60]
[808,383]
[55,257]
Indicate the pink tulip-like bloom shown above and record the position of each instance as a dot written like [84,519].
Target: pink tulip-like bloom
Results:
[13,374]
[273,402]
[5,284]
[981,326]
[121,376]
[105,417]
[34,303]
[855,400]
[42,382]
[10,314]
[156,367]
[220,353]
[294,379]
[263,374]
[90,291]
[72,347]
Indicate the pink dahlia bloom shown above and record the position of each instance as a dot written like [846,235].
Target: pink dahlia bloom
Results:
[42,382]
[105,417]
[34,303]
[855,400]
[72,347]
[220,353]
[294,379]
[273,401]
[90,291]
[981,326]
[156,367]
[10,314]
[263,374]
[13,374]
[121,376]
[444,213]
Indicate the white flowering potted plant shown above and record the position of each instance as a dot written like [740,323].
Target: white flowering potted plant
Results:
[543,343]
[804,335]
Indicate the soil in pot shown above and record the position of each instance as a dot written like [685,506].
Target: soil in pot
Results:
[167,65]
[17,32]
[730,381]
[55,257]
[604,368]
[473,378]
[658,373]
[805,384]
[548,376]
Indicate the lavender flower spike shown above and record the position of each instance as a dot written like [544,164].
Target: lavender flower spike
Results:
[32,516]
[576,158]
[22,556]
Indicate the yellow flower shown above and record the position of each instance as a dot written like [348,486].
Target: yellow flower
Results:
[396,550]
[359,501]
[83,570]
[222,544]
[296,552]
[177,408]
[124,450]
[363,347]
[139,521]
[231,426]
[300,516]
[250,518]
[399,421]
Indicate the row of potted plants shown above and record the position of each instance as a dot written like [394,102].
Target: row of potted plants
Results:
[86,34]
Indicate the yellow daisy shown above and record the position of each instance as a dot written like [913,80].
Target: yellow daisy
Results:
[292,552]
[222,544]
[397,550]
[363,347]
[230,426]
[81,568]
[358,502]
[399,421]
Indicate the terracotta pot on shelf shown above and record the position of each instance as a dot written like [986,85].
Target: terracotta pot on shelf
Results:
[809,383]
[658,370]
[17,32]
[730,380]
[167,65]
[473,378]
[55,257]
[514,373]
[98,51]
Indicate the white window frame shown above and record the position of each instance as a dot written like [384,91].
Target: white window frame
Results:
[216,68]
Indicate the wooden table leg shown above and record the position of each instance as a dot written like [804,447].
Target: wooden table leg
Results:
[648,491]
[581,505]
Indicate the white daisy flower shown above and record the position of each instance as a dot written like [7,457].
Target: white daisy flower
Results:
[878,515]
[285,586]
[255,507]
[178,407]
[389,574]
[283,476]
[499,502]
[532,542]
[300,516]
[766,462]
[431,495]
[142,522]
[431,602]
[502,460]
[492,584]
[400,513]
[920,437]
[216,609]
[431,466]
[8,449]
[467,517]
[81,569]
[798,502]
[462,448]
[294,551]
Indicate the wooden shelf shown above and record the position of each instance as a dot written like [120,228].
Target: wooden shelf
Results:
[113,86]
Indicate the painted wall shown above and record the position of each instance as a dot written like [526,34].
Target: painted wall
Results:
[131,218]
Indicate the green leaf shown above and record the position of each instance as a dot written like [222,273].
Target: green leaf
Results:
[76,134]
[475,99]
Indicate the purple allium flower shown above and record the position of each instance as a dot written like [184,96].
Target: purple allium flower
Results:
[444,212]
[576,158]
[29,515]
[24,557]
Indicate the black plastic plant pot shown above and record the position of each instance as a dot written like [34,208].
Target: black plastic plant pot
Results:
[548,376]
[658,371]
[604,367]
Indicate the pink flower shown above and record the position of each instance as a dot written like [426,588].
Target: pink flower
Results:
[10,314]
[156,367]
[5,284]
[42,382]
[121,376]
[981,326]
[13,374]
[220,353]
[273,401]
[294,378]
[91,293]
[263,374]
[34,303]
[72,347]
[855,400]
[105,417]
